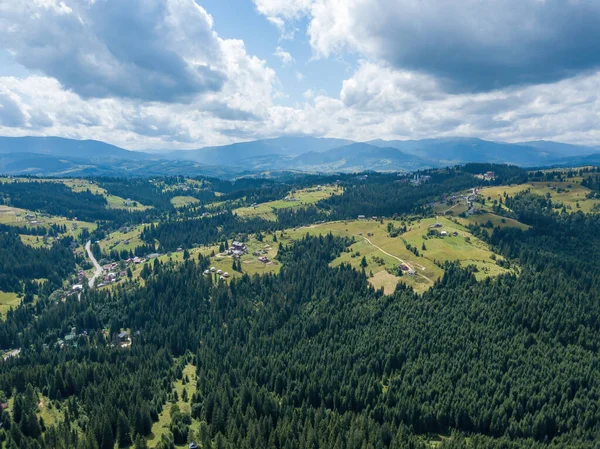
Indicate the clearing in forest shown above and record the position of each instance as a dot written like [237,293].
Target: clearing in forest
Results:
[295,199]
[8,300]
[425,244]
[182,201]
[569,193]
[161,427]
[14,216]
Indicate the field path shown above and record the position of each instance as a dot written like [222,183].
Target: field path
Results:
[383,251]
[397,258]
[98,272]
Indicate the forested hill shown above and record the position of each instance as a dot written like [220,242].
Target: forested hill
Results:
[315,357]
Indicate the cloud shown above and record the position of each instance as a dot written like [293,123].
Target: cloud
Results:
[283,9]
[286,58]
[376,101]
[11,114]
[471,45]
[151,50]
[380,97]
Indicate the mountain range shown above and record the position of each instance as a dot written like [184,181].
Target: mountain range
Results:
[54,156]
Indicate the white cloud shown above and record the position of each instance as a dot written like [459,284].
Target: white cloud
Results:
[375,102]
[286,57]
[300,76]
[152,50]
[283,9]
[379,100]
[471,45]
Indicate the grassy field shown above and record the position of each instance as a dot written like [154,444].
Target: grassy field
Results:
[568,193]
[496,220]
[8,300]
[120,241]
[16,217]
[295,199]
[36,241]
[81,185]
[182,201]
[161,427]
[383,252]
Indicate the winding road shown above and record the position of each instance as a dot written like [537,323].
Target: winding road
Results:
[98,272]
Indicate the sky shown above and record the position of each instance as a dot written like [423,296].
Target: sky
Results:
[179,74]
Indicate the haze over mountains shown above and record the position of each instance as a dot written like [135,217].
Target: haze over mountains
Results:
[53,156]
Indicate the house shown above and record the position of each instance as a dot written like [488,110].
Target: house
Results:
[455,233]
[206,271]
[219,272]
[361,217]
[238,247]
[263,259]
[444,233]
[213,269]
[77,287]
[13,353]
[226,275]
[192,445]
[123,336]
[489,176]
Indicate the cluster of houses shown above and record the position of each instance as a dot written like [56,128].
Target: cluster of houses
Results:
[487,176]
[408,270]
[70,339]
[419,179]
[222,274]
[470,199]
[12,353]
[443,233]
[374,217]
[237,249]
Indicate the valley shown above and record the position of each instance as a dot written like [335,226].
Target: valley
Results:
[183,283]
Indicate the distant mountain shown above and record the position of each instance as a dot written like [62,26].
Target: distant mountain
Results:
[360,156]
[60,147]
[457,150]
[558,149]
[46,165]
[280,146]
[66,157]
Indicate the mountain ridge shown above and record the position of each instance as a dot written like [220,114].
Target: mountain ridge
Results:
[56,156]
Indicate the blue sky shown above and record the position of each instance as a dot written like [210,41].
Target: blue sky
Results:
[190,73]
[239,19]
